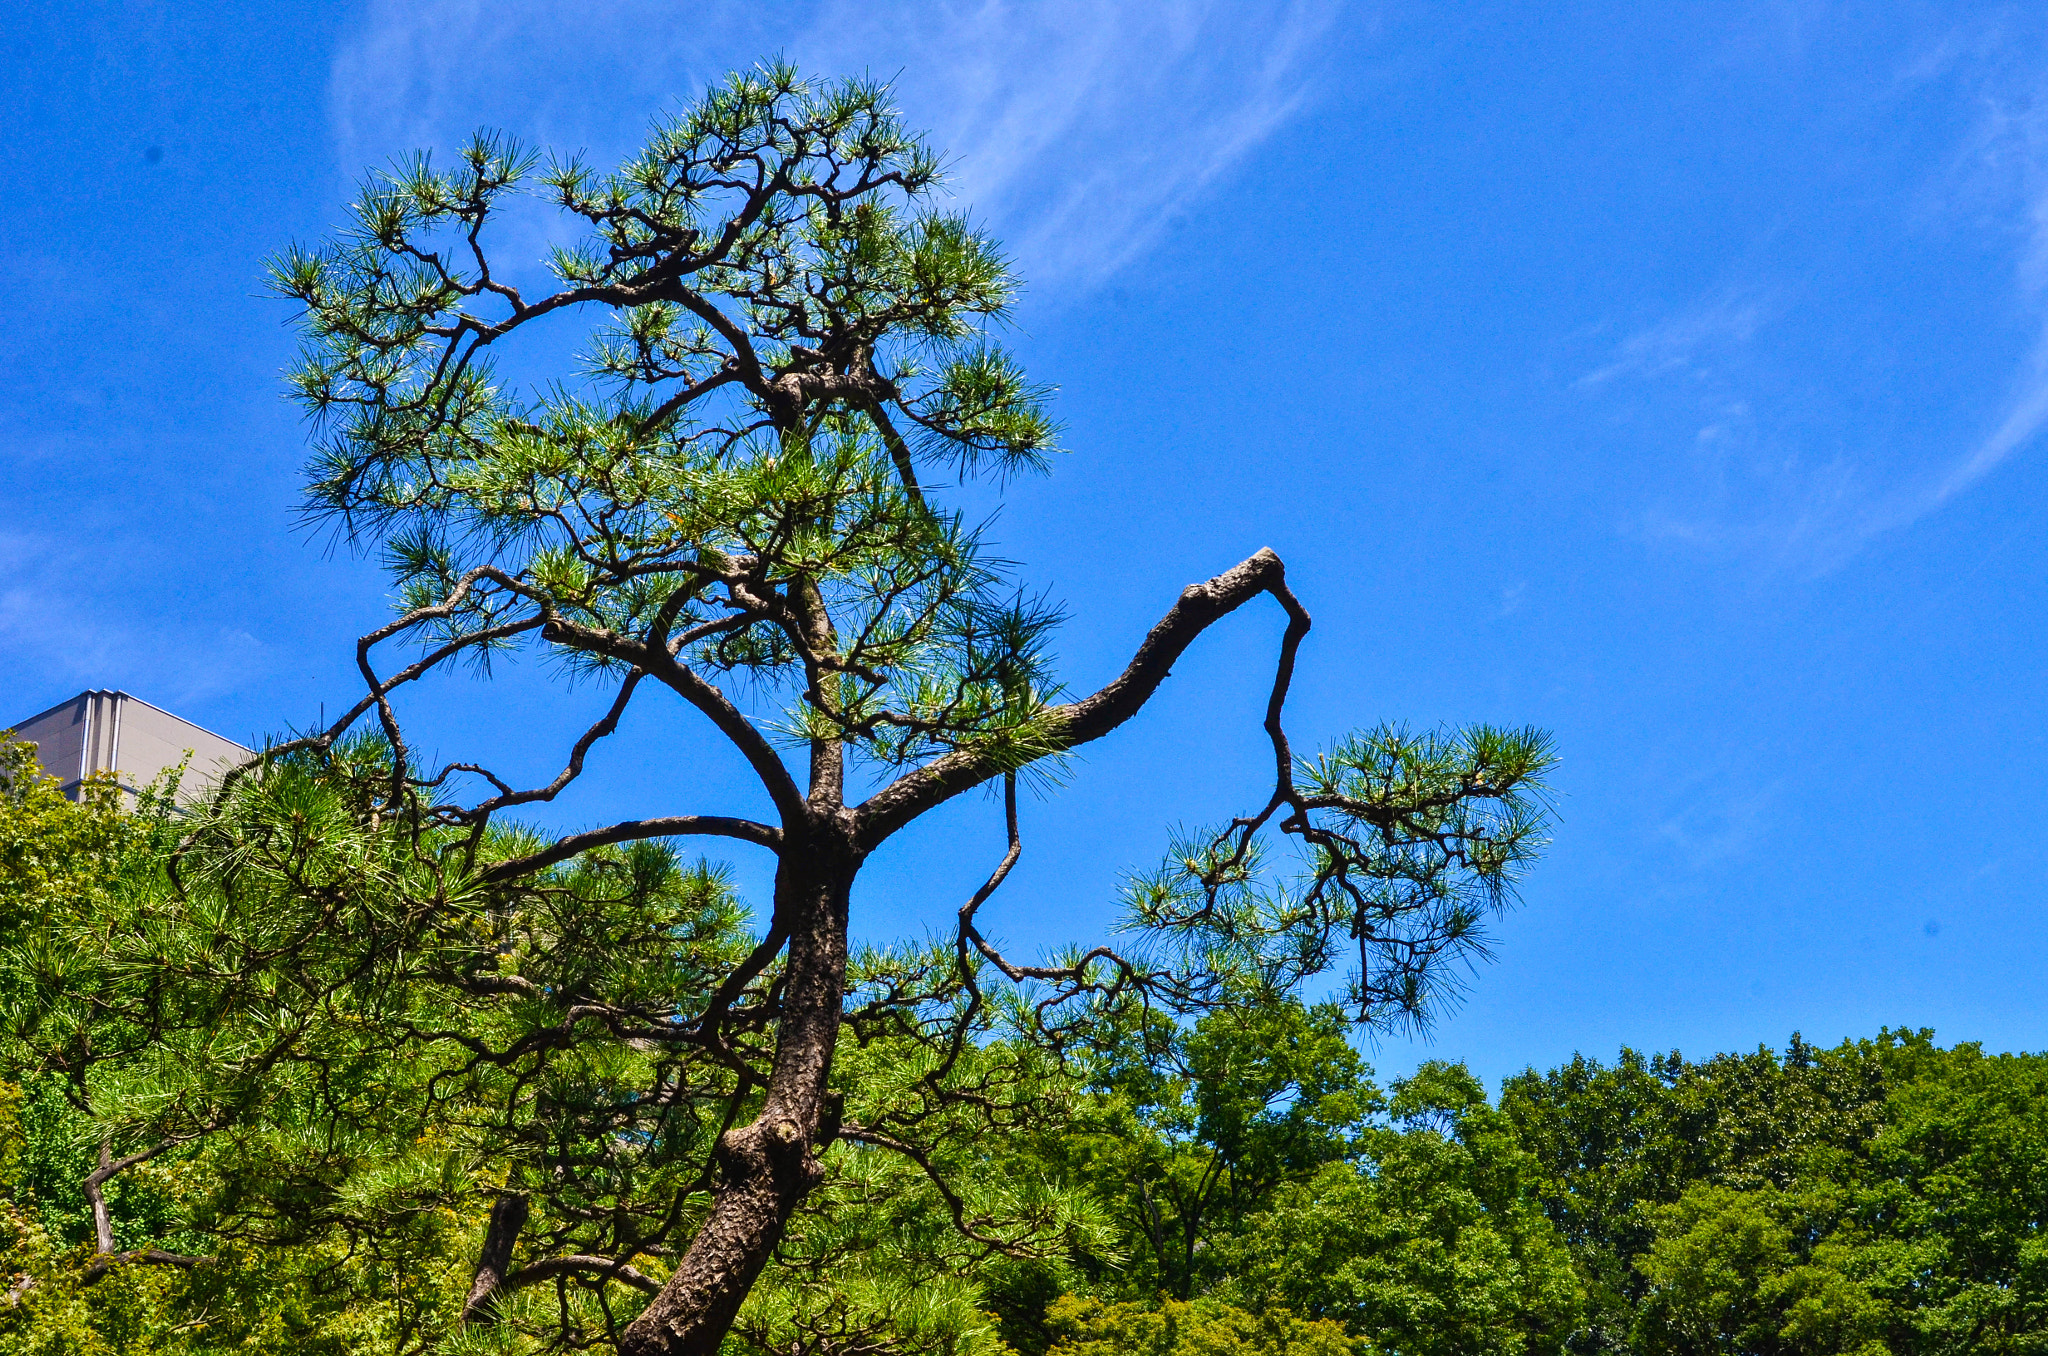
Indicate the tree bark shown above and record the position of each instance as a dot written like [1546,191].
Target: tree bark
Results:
[769,1166]
[1198,607]
[508,1217]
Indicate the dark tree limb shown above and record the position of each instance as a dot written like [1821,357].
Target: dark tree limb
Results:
[1004,867]
[580,1264]
[1199,607]
[899,451]
[633,830]
[95,1183]
[955,1206]
[691,686]
[508,1217]
[768,1167]
[105,1257]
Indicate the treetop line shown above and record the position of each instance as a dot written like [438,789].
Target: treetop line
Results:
[788,347]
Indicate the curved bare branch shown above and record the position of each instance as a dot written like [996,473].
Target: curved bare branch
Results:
[634,830]
[1198,607]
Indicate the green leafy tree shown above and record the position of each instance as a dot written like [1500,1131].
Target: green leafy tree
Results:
[1879,1195]
[570,1091]
[1951,1217]
[1619,1142]
[1290,1185]
[1193,1128]
[1088,1327]
[1613,1142]
[1433,1240]
[1730,1270]
[58,859]
[1922,1236]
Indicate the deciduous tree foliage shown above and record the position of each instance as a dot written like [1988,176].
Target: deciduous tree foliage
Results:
[1883,1195]
[1089,1327]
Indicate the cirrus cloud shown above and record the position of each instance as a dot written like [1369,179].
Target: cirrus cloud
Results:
[1077,130]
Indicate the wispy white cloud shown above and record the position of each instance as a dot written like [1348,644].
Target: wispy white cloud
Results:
[1082,128]
[1738,477]
[1690,340]
[2002,171]
[1719,820]
[1758,477]
[2014,139]
[2018,424]
[1076,129]
[1752,480]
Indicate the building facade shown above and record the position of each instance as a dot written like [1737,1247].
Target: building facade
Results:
[102,731]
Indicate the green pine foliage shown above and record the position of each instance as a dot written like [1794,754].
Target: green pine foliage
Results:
[340,1048]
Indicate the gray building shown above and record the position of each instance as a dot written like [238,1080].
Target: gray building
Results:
[103,731]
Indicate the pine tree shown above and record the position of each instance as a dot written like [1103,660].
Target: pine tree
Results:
[734,500]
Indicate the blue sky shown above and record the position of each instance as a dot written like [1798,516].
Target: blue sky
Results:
[1672,377]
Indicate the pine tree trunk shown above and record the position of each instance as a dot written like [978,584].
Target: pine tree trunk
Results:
[770,1165]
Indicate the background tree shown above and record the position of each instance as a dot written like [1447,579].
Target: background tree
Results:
[1878,1195]
[1250,1163]
[1192,1128]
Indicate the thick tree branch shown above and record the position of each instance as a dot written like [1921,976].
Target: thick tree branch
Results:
[508,1217]
[692,688]
[105,1258]
[1199,607]
[899,451]
[96,1180]
[580,1264]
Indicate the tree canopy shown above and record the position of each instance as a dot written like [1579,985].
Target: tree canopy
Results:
[1233,1185]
